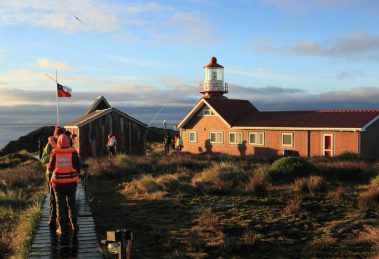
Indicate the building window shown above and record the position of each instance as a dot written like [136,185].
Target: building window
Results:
[328,145]
[287,139]
[217,137]
[257,138]
[206,111]
[235,137]
[192,136]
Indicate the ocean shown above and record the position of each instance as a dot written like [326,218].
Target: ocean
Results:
[13,132]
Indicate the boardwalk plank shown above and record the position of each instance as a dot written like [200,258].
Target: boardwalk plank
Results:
[83,245]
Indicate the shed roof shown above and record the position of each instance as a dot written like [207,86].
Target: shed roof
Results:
[100,103]
[87,118]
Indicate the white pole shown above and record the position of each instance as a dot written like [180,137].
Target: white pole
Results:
[56,80]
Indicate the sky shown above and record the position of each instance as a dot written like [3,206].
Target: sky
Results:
[147,57]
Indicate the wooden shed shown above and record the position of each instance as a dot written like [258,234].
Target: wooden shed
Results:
[100,120]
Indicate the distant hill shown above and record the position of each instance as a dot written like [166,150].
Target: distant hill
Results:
[29,142]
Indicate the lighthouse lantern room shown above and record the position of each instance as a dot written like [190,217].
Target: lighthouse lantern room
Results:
[213,85]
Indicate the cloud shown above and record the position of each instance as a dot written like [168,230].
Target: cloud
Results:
[59,15]
[55,65]
[352,45]
[158,21]
[358,46]
[305,6]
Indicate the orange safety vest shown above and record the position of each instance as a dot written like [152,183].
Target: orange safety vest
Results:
[64,171]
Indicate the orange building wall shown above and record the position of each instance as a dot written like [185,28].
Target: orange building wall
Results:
[343,141]
[370,141]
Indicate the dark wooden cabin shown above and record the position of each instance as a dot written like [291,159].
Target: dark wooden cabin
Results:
[101,119]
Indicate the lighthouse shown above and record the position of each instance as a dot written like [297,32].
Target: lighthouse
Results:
[213,85]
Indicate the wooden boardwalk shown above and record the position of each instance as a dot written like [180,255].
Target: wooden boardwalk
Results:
[82,245]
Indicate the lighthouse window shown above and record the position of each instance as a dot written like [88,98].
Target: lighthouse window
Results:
[214,75]
[207,111]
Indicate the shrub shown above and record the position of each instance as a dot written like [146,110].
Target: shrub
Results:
[348,156]
[369,199]
[290,168]
[221,177]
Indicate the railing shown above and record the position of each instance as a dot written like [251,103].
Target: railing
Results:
[214,87]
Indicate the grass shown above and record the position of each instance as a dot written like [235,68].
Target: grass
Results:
[21,191]
[196,207]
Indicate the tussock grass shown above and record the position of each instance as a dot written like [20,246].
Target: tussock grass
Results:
[350,171]
[207,218]
[256,186]
[369,199]
[371,235]
[221,177]
[313,184]
[21,191]
[293,206]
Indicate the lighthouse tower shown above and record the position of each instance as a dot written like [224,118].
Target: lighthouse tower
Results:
[213,85]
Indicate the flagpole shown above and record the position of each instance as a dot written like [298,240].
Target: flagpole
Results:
[56,79]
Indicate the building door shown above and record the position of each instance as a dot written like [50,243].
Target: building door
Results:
[328,145]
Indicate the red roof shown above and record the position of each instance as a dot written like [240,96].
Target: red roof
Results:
[213,63]
[308,119]
[241,113]
[232,110]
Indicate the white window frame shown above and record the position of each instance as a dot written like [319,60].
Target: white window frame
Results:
[235,132]
[288,134]
[256,133]
[214,142]
[323,144]
[189,136]
[206,108]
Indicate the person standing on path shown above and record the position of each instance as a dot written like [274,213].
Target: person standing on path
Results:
[111,145]
[167,144]
[45,158]
[65,165]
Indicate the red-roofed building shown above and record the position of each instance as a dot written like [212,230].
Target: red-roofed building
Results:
[236,127]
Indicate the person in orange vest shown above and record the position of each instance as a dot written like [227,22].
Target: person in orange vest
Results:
[111,145]
[65,166]
[45,158]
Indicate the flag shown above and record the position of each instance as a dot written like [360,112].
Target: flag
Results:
[63,91]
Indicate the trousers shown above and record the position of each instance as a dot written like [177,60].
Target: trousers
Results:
[65,198]
[52,202]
